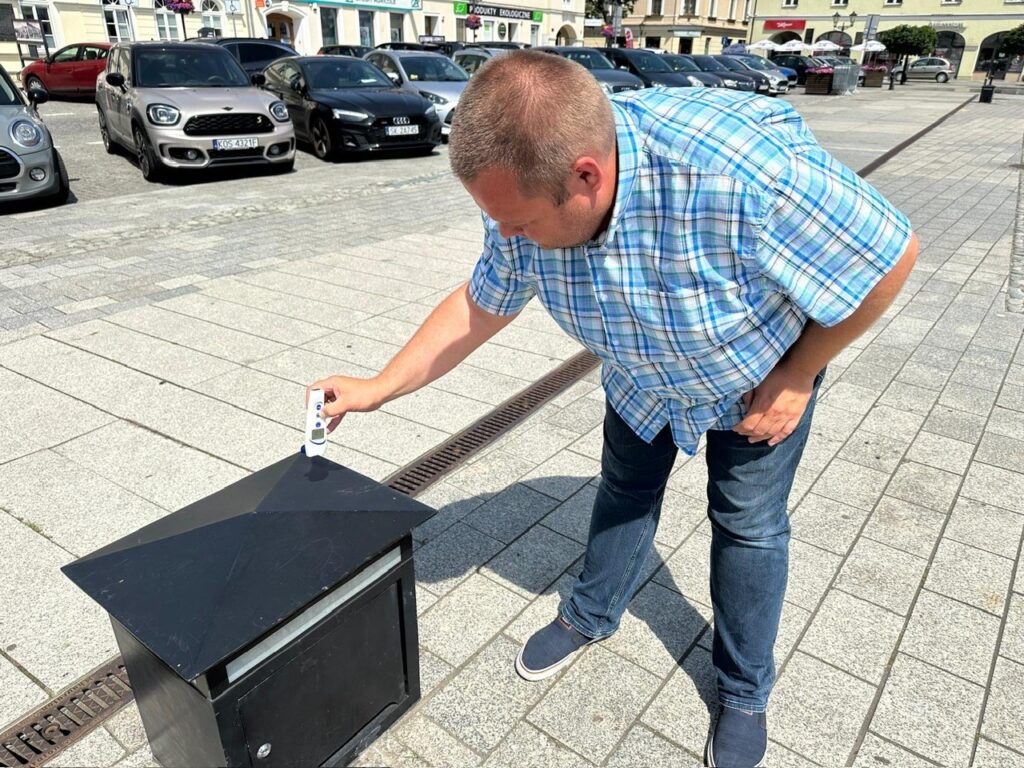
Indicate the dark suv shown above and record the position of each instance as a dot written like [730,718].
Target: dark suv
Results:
[253,53]
[649,67]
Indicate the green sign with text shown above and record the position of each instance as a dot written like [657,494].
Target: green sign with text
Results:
[496,11]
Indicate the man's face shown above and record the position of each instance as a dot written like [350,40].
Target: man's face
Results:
[538,219]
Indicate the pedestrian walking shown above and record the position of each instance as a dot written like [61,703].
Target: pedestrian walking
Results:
[715,257]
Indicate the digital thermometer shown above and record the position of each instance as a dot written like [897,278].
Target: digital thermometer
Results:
[316,424]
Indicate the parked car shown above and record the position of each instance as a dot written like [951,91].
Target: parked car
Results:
[651,68]
[612,80]
[730,79]
[70,71]
[30,166]
[471,59]
[345,50]
[185,106]
[400,45]
[931,68]
[341,104]
[799,63]
[253,53]
[431,75]
[510,46]
[772,83]
[762,64]
[685,65]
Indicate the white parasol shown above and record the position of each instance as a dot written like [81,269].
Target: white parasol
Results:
[827,46]
[763,45]
[871,46]
[793,46]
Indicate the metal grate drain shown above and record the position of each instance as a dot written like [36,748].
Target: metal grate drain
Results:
[442,459]
[67,718]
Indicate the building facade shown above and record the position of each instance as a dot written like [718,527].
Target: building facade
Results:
[968,32]
[682,26]
[305,24]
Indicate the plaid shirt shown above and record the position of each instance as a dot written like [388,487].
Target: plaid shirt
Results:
[731,227]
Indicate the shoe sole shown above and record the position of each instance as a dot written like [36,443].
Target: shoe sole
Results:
[709,756]
[542,674]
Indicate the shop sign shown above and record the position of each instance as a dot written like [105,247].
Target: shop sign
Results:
[431,39]
[694,33]
[784,24]
[951,25]
[400,6]
[497,11]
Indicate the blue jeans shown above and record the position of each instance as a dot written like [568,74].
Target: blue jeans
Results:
[748,489]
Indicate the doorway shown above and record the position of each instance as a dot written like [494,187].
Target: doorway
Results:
[281,28]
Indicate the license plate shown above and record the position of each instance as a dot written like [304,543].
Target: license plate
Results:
[403,130]
[235,143]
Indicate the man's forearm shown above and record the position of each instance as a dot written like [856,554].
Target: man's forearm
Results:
[817,344]
[450,334]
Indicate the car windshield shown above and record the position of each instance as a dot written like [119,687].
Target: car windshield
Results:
[331,74]
[648,62]
[732,64]
[756,62]
[709,64]
[681,64]
[589,59]
[433,69]
[8,97]
[192,68]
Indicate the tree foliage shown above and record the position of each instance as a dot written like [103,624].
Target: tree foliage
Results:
[595,9]
[906,40]
[1013,41]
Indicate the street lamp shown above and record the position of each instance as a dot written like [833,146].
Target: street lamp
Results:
[838,23]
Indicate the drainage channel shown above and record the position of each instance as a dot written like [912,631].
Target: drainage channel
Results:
[94,698]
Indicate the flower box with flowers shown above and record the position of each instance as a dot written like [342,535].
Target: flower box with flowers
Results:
[183,7]
[819,80]
[874,75]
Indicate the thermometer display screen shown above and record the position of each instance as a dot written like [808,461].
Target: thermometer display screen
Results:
[318,434]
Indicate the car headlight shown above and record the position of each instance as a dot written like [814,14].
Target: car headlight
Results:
[433,97]
[607,88]
[26,134]
[349,115]
[163,114]
[279,112]
[430,111]
[729,82]
[694,81]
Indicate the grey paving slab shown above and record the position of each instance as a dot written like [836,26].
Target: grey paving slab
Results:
[527,745]
[994,485]
[906,526]
[929,711]
[599,687]
[97,750]
[680,515]
[951,635]
[283,304]
[477,383]
[811,569]
[683,708]
[880,452]
[533,562]
[941,452]
[461,622]
[826,523]
[1000,451]
[924,485]
[959,425]
[540,442]
[127,728]
[882,575]
[853,635]
[490,475]
[510,513]
[452,557]
[986,527]
[886,420]
[875,751]
[562,475]
[992,755]
[483,703]
[851,483]
[432,743]
[1006,699]
[817,710]
[1012,646]
[688,570]
[643,748]
[971,575]
[21,693]
[140,758]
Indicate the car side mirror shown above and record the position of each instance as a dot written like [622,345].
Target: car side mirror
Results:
[258,79]
[116,79]
[623,66]
[37,96]
[395,78]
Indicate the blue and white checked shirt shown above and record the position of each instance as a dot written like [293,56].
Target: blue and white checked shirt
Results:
[731,227]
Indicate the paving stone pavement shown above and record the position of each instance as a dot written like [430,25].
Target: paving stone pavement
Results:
[902,639]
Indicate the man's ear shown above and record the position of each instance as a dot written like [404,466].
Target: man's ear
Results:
[588,171]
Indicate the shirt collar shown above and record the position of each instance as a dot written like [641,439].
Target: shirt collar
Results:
[628,149]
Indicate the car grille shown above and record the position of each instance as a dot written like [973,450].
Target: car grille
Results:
[9,165]
[380,134]
[228,155]
[227,124]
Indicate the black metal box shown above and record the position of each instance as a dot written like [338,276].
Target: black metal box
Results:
[270,624]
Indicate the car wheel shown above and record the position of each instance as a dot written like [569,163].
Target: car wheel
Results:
[63,183]
[108,142]
[149,163]
[942,77]
[34,82]
[321,137]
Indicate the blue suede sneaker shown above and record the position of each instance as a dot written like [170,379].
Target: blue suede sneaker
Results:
[549,650]
[738,740]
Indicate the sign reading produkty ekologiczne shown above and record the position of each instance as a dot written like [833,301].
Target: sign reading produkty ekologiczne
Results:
[498,11]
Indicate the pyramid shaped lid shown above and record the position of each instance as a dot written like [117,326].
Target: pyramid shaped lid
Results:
[204,582]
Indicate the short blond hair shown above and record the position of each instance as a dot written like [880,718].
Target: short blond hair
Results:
[534,114]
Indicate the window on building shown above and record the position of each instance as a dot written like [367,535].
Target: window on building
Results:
[366,28]
[840,3]
[211,15]
[513,30]
[894,2]
[118,21]
[789,3]
[534,34]
[460,30]
[654,7]
[42,14]
[329,25]
[167,26]
[397,24]
[732,10]
[689,7]
[488,30]
[712,9]
[430,25]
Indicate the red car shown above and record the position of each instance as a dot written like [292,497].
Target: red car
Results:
[71,70]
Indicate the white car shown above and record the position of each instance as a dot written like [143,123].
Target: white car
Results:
[433,76]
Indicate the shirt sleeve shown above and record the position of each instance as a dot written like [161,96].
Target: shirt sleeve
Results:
[829,237]
[494,286]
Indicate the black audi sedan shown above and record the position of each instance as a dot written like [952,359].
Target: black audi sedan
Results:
[340,105]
